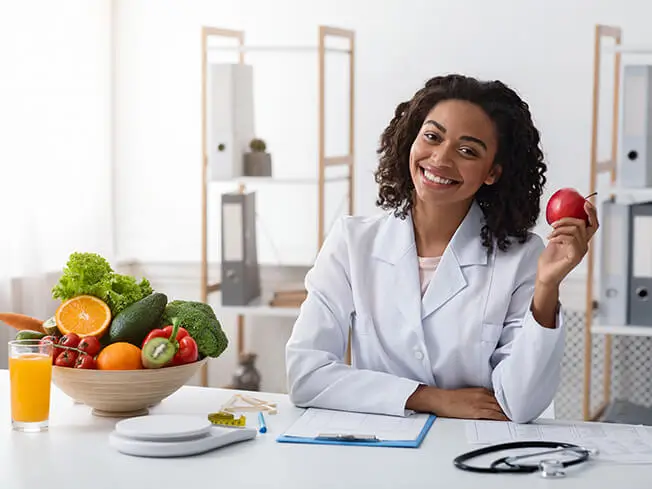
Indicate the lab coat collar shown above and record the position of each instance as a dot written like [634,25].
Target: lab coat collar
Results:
[396,245]
[396,239]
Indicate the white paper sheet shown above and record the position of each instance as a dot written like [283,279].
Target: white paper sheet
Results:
[315,422]
[616,443]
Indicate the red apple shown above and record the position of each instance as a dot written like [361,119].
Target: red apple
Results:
[566,202]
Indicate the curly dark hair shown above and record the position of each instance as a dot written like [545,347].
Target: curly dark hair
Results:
[511,205]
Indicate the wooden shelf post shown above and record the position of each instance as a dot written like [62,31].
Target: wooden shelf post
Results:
[346,160]
[207,288]
[615,33]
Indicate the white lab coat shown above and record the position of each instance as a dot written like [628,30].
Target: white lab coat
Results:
[473,327]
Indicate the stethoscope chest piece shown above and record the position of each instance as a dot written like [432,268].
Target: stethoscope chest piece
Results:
[552,469]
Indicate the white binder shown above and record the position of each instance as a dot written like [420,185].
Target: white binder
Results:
[615,262]
[229,119]
[635,158]
[626,264]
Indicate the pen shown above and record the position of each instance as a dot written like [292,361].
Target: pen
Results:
[262,427]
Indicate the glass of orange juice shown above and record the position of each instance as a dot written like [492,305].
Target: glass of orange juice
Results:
[30,374]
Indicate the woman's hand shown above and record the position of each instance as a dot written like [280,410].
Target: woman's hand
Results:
[470,403]
[567,246]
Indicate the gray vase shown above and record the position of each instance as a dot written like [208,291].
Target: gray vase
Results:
[258,164]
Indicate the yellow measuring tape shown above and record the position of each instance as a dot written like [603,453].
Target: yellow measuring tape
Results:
[223,418]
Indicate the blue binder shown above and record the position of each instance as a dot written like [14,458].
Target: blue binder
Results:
[363,442]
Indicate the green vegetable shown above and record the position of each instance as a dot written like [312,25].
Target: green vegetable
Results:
[135,322]
[91,274]
[28,334]
[201,323]
[50,326]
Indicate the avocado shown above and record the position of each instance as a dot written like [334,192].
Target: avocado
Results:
[134,322]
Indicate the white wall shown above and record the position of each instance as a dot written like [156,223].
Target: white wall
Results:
[55,132]
[542,49]
[55,145]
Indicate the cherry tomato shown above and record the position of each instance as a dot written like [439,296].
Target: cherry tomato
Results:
[66,358]
[70,339]
[55,341]
[90,345]
[85,361]
[52,339]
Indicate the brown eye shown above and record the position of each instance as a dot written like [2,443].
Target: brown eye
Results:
[468,151]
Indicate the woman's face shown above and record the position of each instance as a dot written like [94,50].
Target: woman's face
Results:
[453,154]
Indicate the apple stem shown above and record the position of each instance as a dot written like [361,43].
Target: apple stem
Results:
[589,196]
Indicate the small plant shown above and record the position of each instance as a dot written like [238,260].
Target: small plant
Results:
[257,145]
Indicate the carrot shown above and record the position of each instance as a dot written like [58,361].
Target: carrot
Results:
[21,321]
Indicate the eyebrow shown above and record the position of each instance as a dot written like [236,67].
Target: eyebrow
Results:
[465,138]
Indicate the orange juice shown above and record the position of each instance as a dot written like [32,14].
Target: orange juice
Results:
[30,375]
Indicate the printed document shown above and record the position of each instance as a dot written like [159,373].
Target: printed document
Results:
[615,442]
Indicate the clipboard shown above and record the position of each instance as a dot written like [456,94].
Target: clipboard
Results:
[326,427]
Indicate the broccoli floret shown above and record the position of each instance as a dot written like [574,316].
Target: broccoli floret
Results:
[201,323]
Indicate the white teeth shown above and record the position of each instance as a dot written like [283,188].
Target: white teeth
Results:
[436,179]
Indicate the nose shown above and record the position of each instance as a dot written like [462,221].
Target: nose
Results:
[442,155]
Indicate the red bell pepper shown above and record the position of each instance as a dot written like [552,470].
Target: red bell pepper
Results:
[187,352]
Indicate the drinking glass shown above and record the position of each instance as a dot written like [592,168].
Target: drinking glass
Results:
[30,374]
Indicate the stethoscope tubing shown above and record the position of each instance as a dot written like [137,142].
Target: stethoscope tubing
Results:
[509,467]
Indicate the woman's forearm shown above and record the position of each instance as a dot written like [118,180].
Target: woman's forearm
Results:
[544,304]
[421,399]
[473,402]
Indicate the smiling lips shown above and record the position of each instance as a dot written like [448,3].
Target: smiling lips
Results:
[438,180]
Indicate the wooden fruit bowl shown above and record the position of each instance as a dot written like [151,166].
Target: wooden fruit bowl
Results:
[122,393]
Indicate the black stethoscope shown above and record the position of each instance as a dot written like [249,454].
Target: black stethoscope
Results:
[549,468]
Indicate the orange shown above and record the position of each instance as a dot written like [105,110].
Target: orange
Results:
[84,315]
[119,356]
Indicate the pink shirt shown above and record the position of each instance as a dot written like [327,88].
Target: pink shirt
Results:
[427,267]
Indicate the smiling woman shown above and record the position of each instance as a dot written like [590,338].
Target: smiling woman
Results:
[497,137]
[450,300]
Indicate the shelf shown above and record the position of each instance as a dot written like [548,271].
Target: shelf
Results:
[631,195]
[628,49]
[282,180]
[261,309]
[278,48]
[316,179]
[621,330]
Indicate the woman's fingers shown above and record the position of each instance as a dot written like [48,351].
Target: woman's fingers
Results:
[577,234]
[571,222]
[592,212]
[487,407]
[490,402]
[493,415]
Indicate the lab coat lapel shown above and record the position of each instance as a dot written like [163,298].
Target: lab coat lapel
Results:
[396,247]
[465,249]
[446,283]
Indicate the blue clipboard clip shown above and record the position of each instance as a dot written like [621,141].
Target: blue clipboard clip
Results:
[359,440]
[346,438]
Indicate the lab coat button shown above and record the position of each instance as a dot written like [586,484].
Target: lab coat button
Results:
[418,355]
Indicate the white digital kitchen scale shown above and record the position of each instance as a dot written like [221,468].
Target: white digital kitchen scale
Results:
[173,435]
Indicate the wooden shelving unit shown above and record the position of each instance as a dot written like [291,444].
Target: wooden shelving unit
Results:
[260,307]
[627,195]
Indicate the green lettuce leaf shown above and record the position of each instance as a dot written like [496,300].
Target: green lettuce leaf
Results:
[91,274]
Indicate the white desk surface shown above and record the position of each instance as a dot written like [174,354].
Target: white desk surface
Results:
[75,454]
